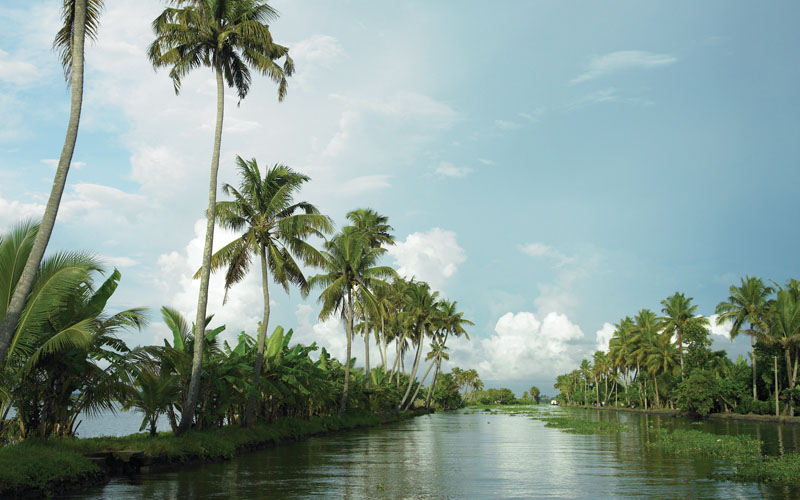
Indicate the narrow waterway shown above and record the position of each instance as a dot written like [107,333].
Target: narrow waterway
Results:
[468,455]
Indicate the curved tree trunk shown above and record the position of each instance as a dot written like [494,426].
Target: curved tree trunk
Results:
[383,345]
[413,373]
[433,384]
[187,416]
[414,397]
[25,284]
[366,358]
[250,410]
[398,344]
[349,329]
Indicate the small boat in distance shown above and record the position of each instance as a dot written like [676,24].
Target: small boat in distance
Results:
[554,402]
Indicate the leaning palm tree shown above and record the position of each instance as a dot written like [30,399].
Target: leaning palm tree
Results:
[349,273]
[275,228]
[80,20]
[678,310]
[228,36]
[422,315]
[747,303]
[452,322]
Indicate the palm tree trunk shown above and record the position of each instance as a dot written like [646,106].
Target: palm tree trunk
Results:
[433,384]
[366,358]
[413,372]
[655,381]
[250,410]
[383,344]
[349,328]
[28,276]
[753,359]
[790,379]
[680,348]
[187,415]
[414,397]
[398,344]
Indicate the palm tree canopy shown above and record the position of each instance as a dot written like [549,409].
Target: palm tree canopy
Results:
[373,224]
[748,302]
[264,208]
[63,40]
[227,35]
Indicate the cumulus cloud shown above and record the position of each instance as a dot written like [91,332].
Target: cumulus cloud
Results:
[603,336]
[523,347]
[17,71]
[447,169]
[432,256]
[13,210]
[722,330]
[541,250]
[175,281]
[613,62]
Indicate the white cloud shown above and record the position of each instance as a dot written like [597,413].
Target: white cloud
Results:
[603,336]
[541,250]
[363,184]
[53,163]
[432,256]
[118,261]
[245,305]
[523,347]
[621,60]
[16,71]
[486,161]
[12,211]
[506,125]
[723,330]
[313,56]
[447,169]
[605,95]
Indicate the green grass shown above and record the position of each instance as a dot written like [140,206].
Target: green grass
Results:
[692,442]
[39,464]
[577,425]
[768,470]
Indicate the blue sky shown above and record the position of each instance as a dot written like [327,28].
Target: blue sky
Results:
[553,167]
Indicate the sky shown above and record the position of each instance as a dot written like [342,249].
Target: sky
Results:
[551,166]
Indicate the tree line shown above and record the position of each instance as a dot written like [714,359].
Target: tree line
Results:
[665,361]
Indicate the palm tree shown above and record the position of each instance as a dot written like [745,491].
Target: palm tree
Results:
[452,322]
[265,211]
[226,36]
[747,303]
[80,20]
[784,328]
[422,313]
[678,310]
[350,272]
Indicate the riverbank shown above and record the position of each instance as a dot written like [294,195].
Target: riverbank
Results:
[666,412]
[37,468]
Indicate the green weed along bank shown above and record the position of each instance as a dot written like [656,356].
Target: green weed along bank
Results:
[50,465]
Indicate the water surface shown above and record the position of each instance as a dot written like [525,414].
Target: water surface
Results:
[468,455]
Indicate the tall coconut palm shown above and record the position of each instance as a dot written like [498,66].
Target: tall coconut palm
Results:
[80,20]
[784,329]
[452,323]
[374,225]
[678,310]
[230,37]
[747,303]
[349,273]
[275,228]
[422,314]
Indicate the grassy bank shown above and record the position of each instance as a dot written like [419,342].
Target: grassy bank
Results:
[38,467]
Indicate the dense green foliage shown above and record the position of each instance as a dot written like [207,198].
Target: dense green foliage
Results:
[666,361]
[697,443]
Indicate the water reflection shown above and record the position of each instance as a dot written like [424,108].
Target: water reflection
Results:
[463,455]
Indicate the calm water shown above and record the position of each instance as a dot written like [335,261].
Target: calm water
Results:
[467,455]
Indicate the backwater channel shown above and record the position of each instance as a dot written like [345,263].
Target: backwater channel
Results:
[470,454]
